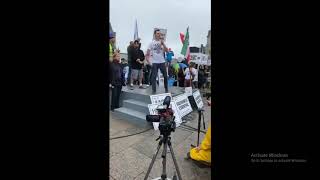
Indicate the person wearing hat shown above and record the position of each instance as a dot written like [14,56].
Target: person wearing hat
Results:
[112,40]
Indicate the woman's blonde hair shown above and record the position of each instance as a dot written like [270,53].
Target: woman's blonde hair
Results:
[115,54]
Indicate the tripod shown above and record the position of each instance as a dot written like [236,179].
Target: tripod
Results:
[166,139]
[200,112]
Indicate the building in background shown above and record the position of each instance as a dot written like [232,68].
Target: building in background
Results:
[194,49]
[208,46]
[198,55]
[202,49]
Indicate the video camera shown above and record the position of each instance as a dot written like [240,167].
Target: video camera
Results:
[165,118]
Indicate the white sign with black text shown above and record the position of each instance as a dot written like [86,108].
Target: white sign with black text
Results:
[198,99]
[153,111]
[176,114]
[183,104]
[188,91]
[158,98]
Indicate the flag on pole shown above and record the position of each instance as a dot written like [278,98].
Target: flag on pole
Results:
[182,37]
[136,36]
[185,48]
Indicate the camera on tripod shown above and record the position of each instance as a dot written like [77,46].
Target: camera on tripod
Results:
[165,117]
[166,126]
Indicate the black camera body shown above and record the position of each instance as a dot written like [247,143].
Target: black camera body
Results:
[165,118]
[167,123]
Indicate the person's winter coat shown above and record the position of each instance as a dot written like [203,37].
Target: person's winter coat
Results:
[116,74]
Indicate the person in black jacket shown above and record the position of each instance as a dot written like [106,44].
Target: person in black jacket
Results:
[117,81]
[137,64]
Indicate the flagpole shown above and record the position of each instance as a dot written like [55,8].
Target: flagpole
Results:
[188,49]
[136,35]
[135,28]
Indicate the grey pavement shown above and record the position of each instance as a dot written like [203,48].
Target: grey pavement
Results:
[130,156]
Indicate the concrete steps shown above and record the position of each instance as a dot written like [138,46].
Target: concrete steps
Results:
[138,97]
[136,105]
[131,115]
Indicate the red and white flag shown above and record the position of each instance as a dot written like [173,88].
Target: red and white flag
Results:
[185,48]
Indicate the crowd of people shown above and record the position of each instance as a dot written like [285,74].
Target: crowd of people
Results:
[142,69]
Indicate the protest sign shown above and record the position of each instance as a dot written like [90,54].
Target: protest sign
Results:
[198,99]
[183,104]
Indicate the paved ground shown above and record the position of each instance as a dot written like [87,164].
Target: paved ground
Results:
[131,156]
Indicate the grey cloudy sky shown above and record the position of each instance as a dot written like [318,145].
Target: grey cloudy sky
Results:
[173,15]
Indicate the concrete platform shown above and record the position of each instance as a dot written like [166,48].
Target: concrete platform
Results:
[134,102]
[148,91]
[131,156]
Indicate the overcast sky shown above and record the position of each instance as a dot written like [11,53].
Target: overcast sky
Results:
[173,15]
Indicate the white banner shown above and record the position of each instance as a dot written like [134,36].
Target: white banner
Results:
[188,91]
[197,97]
[195,57]
[204,59]
[158,98]
[176,114]
[183,104]
[153,111]
[209,62]
[199,58]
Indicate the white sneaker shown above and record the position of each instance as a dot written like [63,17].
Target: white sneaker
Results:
[148,85]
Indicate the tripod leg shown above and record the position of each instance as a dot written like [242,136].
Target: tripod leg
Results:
[153,159]
[174,160]
[204,123]
[199,125]
[164,161]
